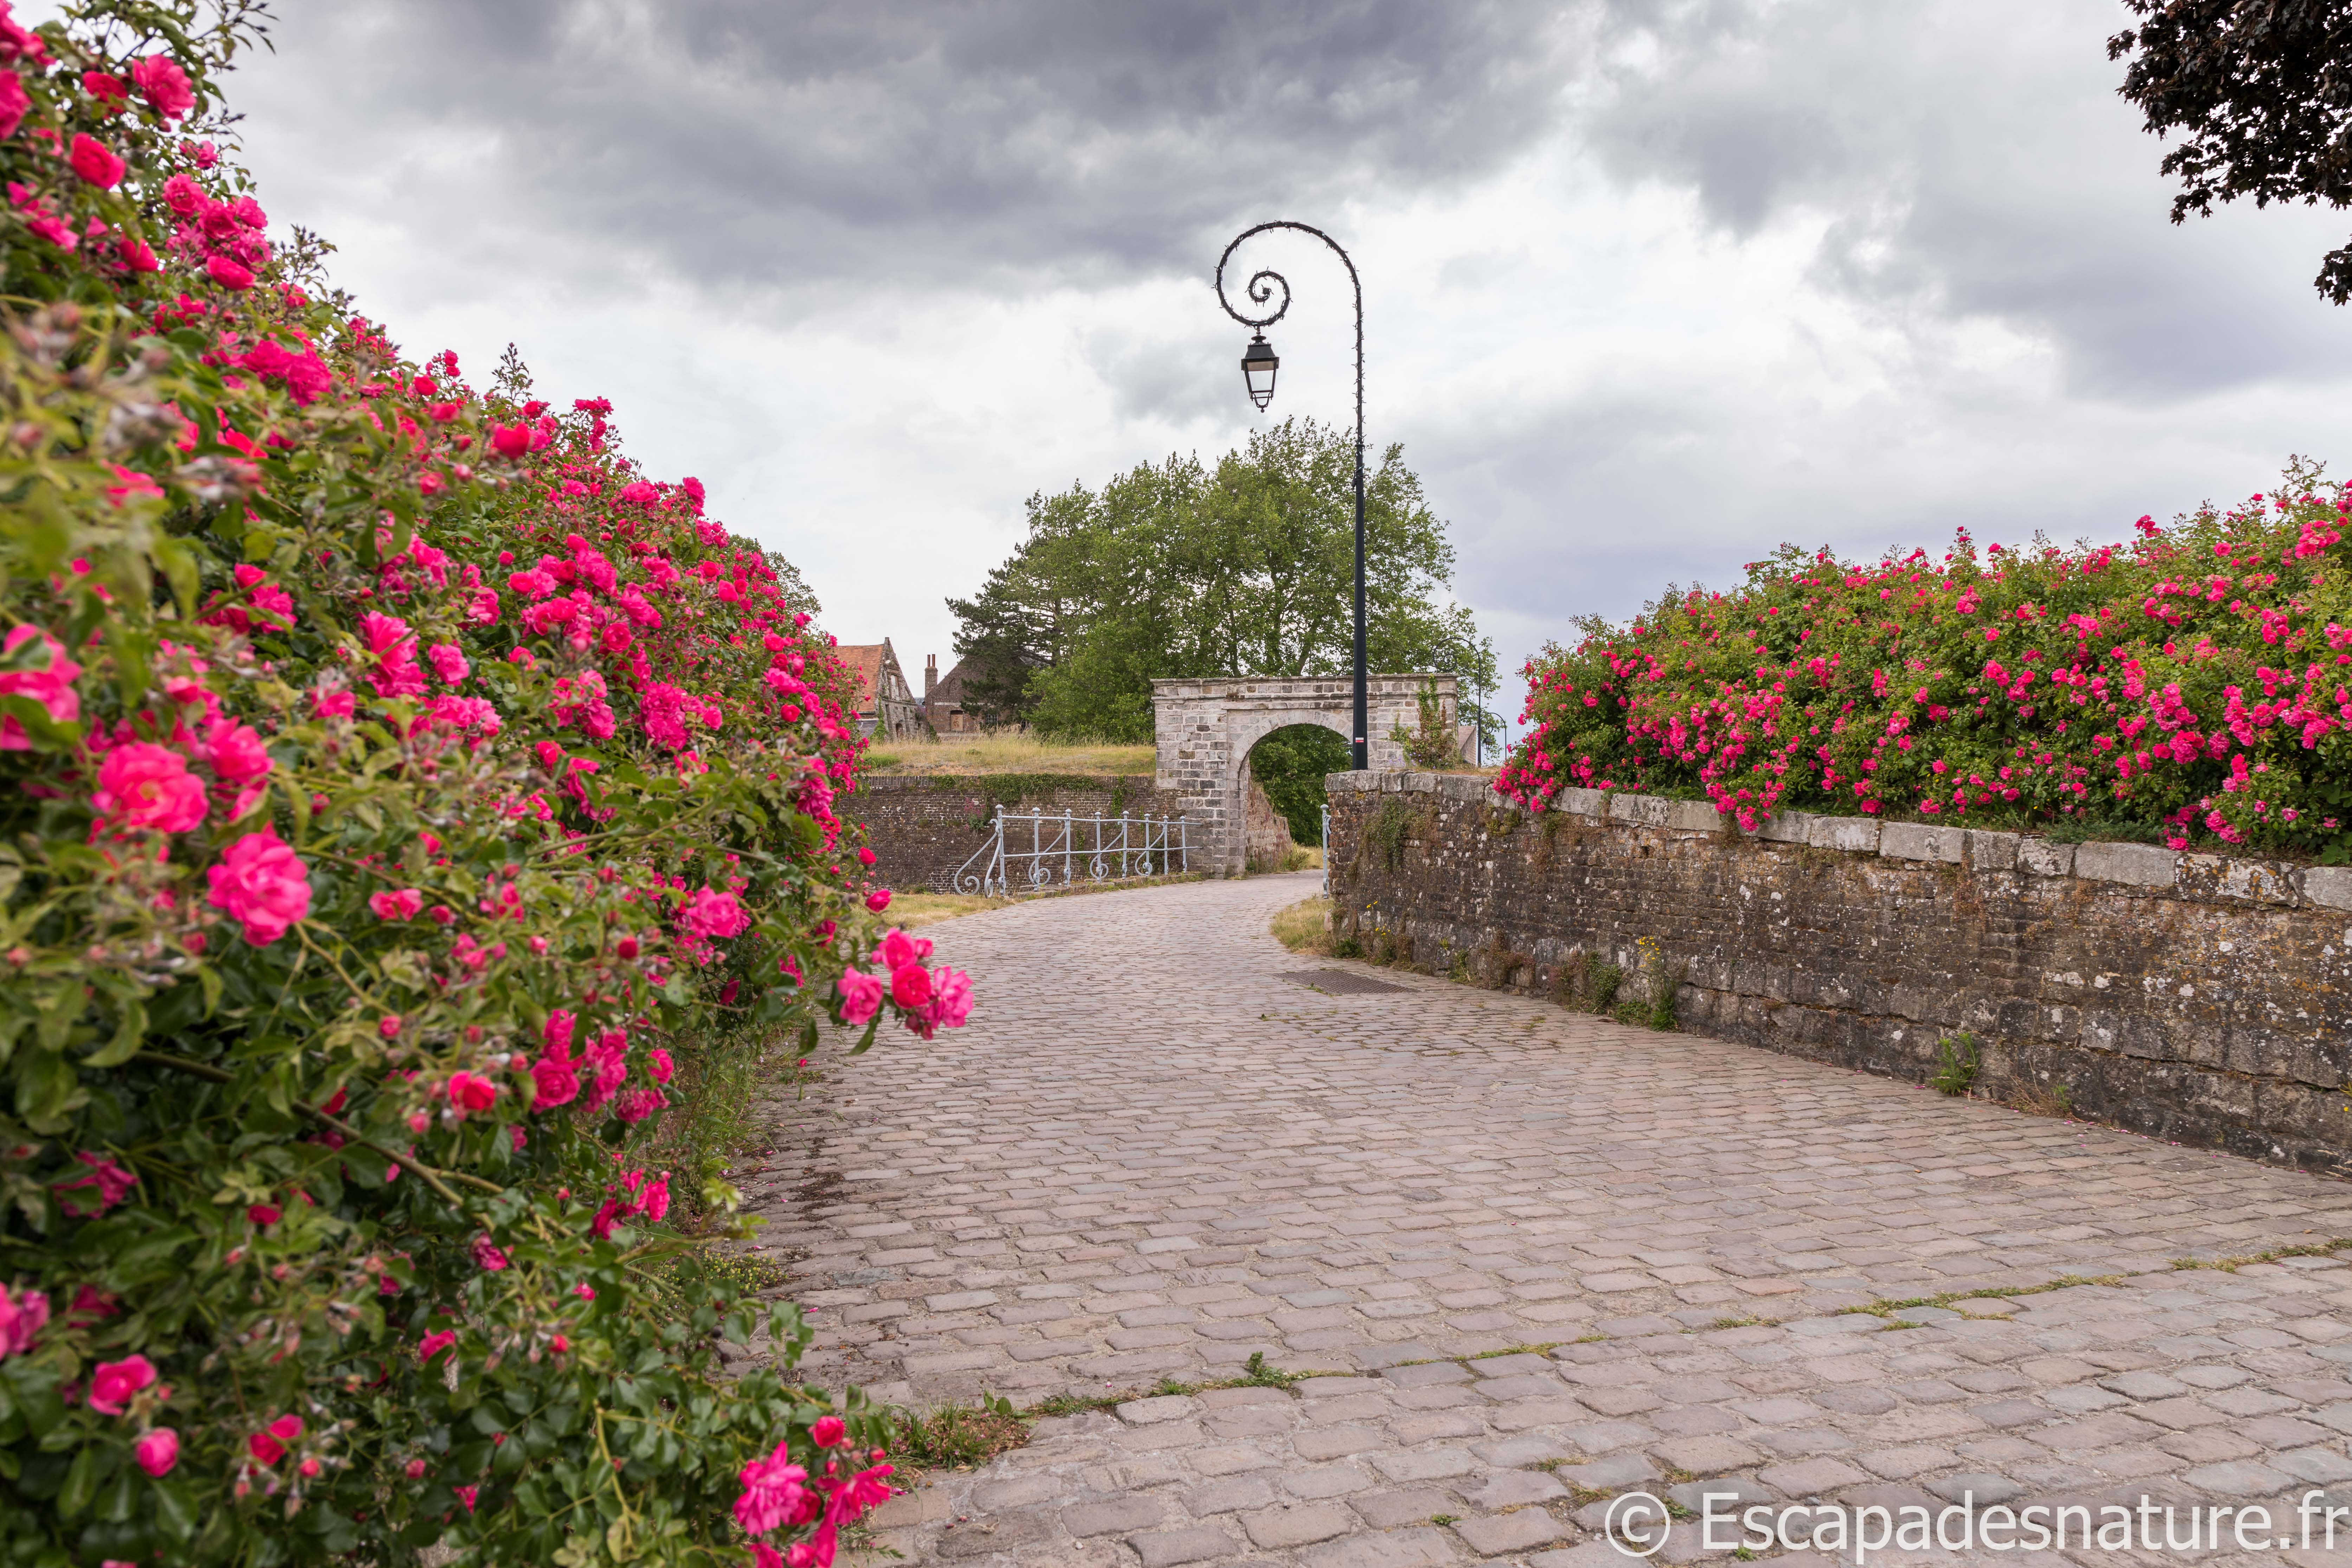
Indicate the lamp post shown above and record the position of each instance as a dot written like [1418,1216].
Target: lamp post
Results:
[1259,366]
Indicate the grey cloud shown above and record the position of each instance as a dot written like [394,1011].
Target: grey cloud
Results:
[995,144]
[1974,161]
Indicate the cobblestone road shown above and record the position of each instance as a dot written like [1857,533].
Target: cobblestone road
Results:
[1553,1258]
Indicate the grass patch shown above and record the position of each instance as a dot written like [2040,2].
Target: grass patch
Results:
[1750,1322]
[961,1437]
[1958,1059]
[1306,927]
[1009,752]
[2057,1101]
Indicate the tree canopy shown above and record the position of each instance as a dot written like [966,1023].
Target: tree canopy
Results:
[2262,90]
[1247,568]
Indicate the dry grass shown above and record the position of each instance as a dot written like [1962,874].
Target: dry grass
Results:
[914,909]
[1306,927]
[1007,752]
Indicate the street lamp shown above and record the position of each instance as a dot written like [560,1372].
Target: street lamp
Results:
[1258,365]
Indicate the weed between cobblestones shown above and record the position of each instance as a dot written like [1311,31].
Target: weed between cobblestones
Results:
[1889,1309]
[2231,1265]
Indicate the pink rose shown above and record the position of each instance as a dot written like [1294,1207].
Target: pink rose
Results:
[115,1382]
[910,987]
[332,704]
[950,1002]
[557,1033]
[772,1491]
[404,904]
[471,1091]
[878,899]
[654,1202]
[487,1256]
[183,196]
[112,1181]
[660,1066]
[228,274]
[827,1431]
[264,1214]
[165,85]
[21,1317]
[432,1345]
[13,103]
[555,1083]
[861,994]
[157,1450]
[236,752]
[712,913]
[447,662]
[51,685]
[262,884]
[143,787]
[898,950]
[94,162]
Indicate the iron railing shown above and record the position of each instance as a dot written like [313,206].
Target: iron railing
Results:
[1063,850]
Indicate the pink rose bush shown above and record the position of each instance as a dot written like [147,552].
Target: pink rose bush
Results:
[2194,684]
[420,803]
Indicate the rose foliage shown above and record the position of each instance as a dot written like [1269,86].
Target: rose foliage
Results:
[2194,685]
[402,792]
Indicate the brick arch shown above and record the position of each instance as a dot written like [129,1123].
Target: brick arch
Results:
[1205,728]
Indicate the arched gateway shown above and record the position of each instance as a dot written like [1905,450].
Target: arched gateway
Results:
[1205,728]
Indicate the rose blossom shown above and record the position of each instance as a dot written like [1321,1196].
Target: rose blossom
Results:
[861,993]
[712,913]
[165,85]
[93,161]
[143,787]
[262,884]
[772,1491]
[116,1380]
[21,1318]
[51,685]
[404,904]
[157,1450]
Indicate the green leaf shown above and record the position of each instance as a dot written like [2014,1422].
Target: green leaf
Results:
[88,1469]
[118,1050]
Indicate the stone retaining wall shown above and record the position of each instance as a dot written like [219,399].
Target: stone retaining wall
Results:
[2199,998]
[923,828]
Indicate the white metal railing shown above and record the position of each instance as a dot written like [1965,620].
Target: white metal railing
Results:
[1059,851]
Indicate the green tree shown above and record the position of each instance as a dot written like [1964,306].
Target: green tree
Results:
[1247,568]
[2261,90]
[1290,765]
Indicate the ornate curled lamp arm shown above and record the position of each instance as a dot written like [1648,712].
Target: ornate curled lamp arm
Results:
[1263,283]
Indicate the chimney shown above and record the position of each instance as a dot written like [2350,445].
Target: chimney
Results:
[930,674]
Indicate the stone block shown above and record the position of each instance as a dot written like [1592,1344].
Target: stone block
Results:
[1693,816]
[2135,864]
[1642,810]
[1589,803]
[2040,857]
[1858,834]
[2221,877]
[1787,827]
[1352,782]
[1419,784]
[1992,851]
[1920,841]
[2329,886]
[1463,787]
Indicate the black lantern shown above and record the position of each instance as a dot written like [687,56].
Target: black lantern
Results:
[1258,365]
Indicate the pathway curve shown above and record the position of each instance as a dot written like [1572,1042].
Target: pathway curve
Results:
[1152,1154]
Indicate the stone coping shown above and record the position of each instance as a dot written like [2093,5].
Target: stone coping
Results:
[2211,877]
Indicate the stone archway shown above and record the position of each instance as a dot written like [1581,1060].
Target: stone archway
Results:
[1205,728]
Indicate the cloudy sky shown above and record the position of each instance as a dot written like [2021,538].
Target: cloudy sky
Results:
[1650,284]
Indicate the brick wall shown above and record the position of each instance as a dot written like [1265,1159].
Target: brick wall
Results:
[2196,998]
[921,829]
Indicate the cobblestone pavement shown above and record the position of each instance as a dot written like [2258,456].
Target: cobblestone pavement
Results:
[1549,1259]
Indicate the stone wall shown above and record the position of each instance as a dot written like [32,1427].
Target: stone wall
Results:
[1267,830]
[922,828]
[2193,997]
